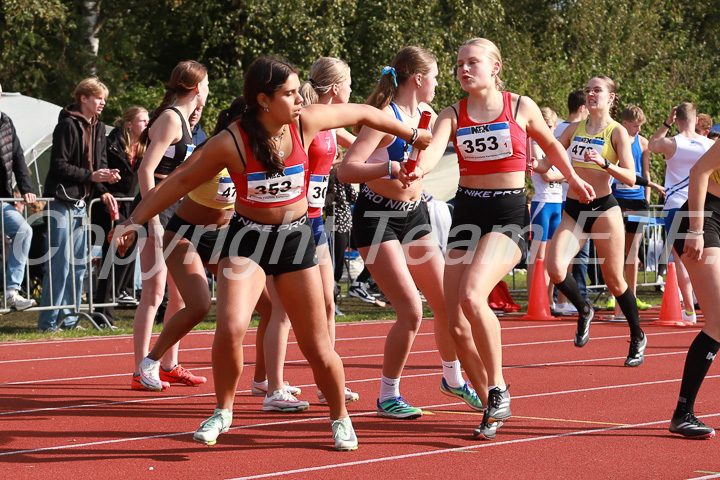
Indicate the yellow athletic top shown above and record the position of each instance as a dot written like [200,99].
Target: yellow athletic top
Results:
[218,192]
[601,143]
[715,177]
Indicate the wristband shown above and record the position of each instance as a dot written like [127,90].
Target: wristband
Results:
[642,181]
[693,232]
[666,125]
[390,168]
[132,222]
[414,136]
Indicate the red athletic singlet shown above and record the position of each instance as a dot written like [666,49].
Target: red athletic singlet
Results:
[493,147]
[256,188]
[321,154]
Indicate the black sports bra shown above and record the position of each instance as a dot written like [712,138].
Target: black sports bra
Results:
[177,152]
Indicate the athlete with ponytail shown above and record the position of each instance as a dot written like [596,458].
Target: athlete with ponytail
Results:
[392,232]
[265,152]
[600,148]
[489,129]
[168,143]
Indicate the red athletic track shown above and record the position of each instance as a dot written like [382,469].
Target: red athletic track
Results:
[67,411]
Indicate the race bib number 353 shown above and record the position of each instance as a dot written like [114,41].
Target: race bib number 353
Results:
[481,143]
[277,188]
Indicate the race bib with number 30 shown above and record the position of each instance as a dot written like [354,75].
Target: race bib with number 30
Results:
[317,191]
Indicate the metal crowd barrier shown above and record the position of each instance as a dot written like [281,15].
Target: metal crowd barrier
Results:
[652,247]
[35,267]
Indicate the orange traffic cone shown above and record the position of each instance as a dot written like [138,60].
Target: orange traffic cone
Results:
[670,311]
[538,304]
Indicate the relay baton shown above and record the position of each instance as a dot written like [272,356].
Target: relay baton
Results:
[529,156]
[415,152]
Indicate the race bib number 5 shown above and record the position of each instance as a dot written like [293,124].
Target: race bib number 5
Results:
[277,188]
[481,143]
[580,145]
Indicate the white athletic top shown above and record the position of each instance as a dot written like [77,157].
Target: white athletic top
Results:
[547,192]
[558,131]
[677,173]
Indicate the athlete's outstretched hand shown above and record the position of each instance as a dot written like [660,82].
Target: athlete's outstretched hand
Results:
[123,236]
[582,189]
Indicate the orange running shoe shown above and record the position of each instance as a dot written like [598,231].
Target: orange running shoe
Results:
[136,385]
[179,374]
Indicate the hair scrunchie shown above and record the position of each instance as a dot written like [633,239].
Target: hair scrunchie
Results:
[390,71]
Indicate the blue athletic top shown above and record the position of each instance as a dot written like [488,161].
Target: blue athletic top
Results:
[619,189]
[397,151]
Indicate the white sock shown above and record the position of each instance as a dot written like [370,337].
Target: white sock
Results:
[11,292]
[389,388]
[452,373]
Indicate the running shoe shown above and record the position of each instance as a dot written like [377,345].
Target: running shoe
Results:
[52,329]
[135,384]
[610,305]
[487,430]
[350,396]
[688,425]
[150,376]
[565,309]
[582,334]
[338,313]
[498,404]
[284,401]
[465,393]
[397,408]
[211,428]
[260,389]
[344,435]
[18,302]
[689,317]
[636,355]
[642,305]
[359,290]
[179,374]
[373,288]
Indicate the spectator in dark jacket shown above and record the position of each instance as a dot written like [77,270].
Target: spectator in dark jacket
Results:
[78,165]
[123,153]
[12,161]
[197,132]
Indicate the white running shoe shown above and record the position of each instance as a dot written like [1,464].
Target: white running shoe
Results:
[211,428]
[260,389]
[350,396]
[344,435]
[689,317]
[18,302]
[566,309]
[150,374]
[284,401]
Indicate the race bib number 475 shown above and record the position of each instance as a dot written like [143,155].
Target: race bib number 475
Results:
[481,143]
[580,145]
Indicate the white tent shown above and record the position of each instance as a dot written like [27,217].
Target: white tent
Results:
[34,122]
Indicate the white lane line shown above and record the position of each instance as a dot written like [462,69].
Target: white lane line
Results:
[449,450]
[374,337]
